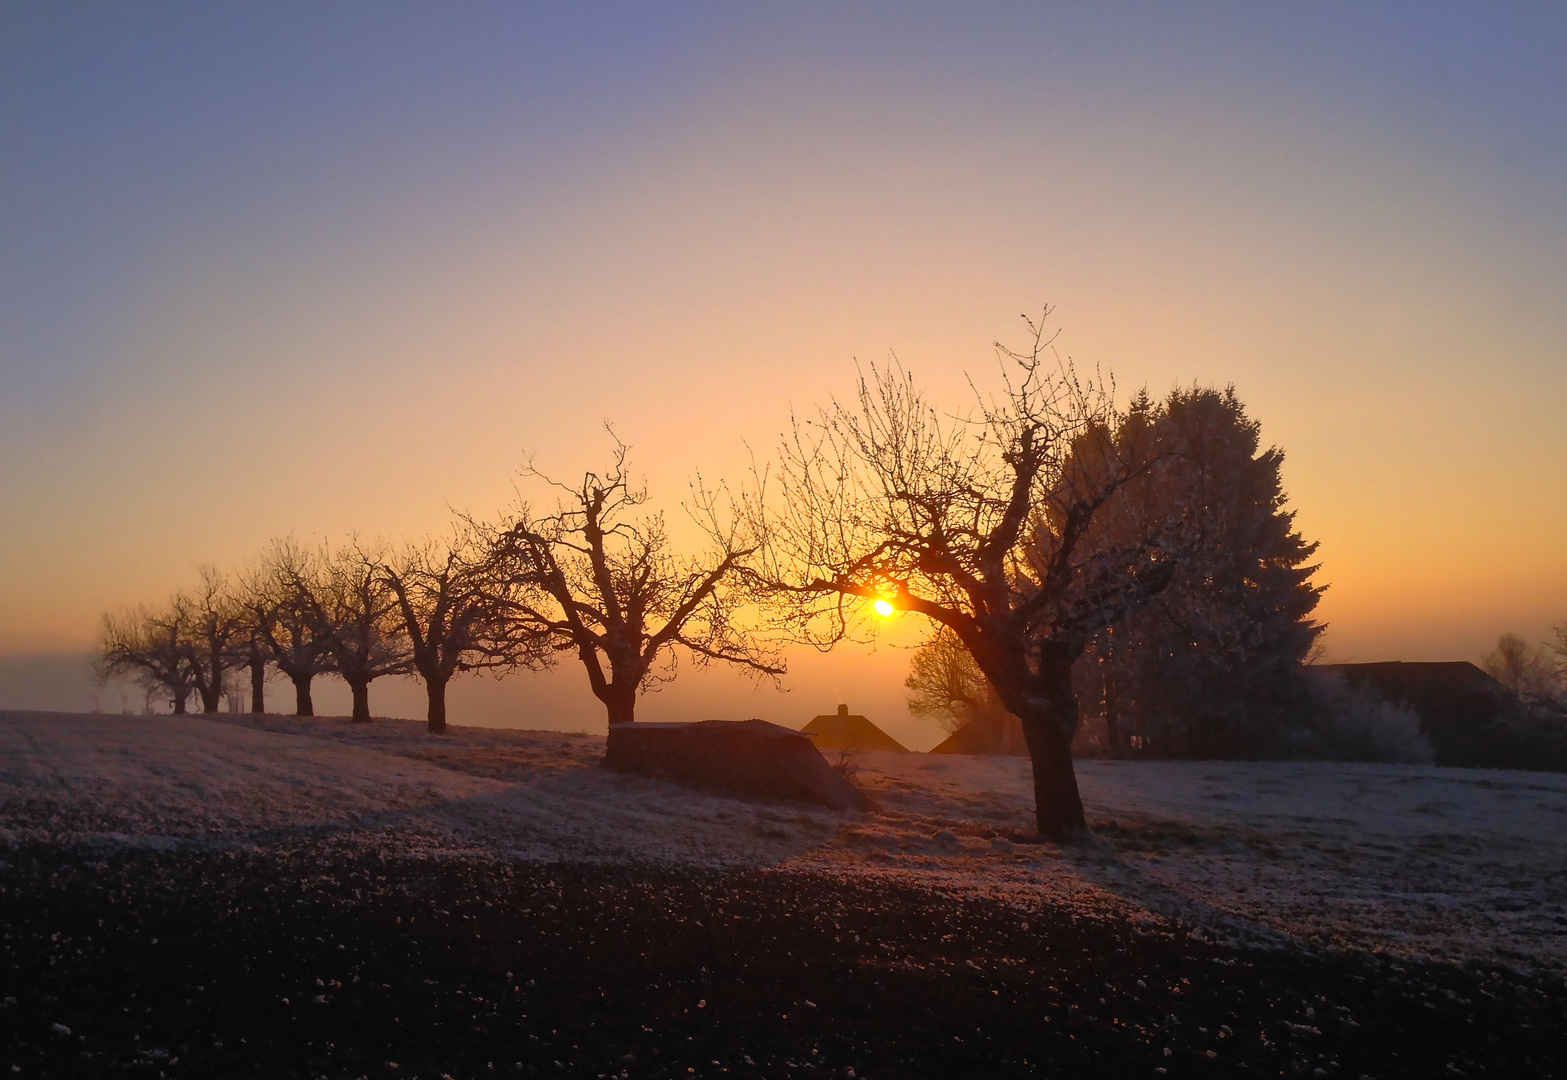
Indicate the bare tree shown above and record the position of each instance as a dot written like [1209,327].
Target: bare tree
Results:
[361,621]
[448,612]
[595,579]
[249,650]
[215,624]
[983,524]
[284,598]
[945,684]
[153,648]
[1525,669]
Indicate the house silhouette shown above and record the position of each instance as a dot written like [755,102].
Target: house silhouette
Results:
[841,731]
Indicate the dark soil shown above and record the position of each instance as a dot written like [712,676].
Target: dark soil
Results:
[319,962]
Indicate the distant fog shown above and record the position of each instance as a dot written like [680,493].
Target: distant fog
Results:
[558,700]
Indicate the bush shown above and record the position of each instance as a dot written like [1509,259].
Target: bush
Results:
[1526,736]
[1354,723]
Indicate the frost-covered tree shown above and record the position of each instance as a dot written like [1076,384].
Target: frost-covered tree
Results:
[946,685]
[1211,666]
[185,647]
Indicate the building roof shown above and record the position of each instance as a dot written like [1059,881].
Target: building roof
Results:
[1455,701]
[841,731]
[986,735]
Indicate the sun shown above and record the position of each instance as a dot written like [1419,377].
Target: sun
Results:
[884,609]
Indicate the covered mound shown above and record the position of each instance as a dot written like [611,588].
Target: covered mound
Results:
[747,758]
[841,731]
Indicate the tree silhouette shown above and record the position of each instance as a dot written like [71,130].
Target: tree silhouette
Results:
[215,625]
[152,647]
[249,650]
[945,684]
[1212,665]
[361,623]
[449,600]
[1523,668]
[594,580]
[284,598]
[982,524]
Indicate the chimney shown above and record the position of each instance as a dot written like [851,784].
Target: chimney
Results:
[843,710]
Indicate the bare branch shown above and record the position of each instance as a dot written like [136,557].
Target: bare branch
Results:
[598,578]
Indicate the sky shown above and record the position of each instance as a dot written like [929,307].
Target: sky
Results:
[320,270]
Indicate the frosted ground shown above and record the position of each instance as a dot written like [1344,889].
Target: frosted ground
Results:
[1420,861]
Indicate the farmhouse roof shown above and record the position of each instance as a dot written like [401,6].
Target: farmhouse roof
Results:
[1001,734]
[842,731]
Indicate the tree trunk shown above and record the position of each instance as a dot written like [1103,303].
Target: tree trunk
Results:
[180,694]
[303,706]
[258,686]
[622,706]
[1115,739]
[361,691]
[1048,726]
[211,688]
[1058,808]
[1046,706]
[436,689]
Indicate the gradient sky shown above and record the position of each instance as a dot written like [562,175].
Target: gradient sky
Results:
[270,269]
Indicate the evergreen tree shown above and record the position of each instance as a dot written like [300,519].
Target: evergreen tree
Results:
[1212,666]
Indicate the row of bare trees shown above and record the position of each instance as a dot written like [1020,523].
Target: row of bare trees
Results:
[358,613]
[592,577]
[991,523]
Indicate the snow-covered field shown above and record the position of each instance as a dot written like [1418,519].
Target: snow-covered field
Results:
[1445,863]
